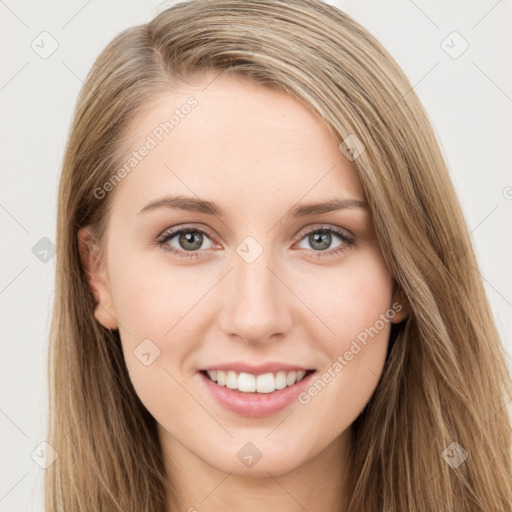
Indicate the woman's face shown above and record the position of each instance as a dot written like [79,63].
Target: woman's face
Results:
[260,285]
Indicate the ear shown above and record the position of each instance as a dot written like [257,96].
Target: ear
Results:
[402,306]
[94,268]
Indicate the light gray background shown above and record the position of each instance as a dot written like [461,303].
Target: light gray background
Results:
[468,99]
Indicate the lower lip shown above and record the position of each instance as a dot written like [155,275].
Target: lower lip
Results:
[255,404]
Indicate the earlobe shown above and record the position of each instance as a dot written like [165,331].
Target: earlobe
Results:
[400,304]
[96,274]
[106,317]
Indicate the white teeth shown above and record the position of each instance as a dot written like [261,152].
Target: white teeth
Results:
[300,375]
[291,378]
[265,383]
[221,378]
[280,380]
[248,383]
[231,380]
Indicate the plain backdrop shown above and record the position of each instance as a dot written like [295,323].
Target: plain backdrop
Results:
[466,91]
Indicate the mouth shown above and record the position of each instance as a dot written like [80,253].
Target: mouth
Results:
[249,383]
[255,395]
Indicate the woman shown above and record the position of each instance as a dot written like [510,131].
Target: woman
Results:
[267,297]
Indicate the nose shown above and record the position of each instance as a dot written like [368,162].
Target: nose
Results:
[256,302]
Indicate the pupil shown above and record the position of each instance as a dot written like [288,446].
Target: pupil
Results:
[323,239]
[191,237]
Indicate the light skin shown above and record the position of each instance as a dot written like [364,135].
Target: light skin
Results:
[256,153]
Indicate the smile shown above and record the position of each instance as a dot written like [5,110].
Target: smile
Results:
[247,394]
[249,383]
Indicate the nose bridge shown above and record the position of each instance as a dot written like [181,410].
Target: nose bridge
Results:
[255,304]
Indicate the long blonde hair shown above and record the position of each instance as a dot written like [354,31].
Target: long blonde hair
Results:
[445,380]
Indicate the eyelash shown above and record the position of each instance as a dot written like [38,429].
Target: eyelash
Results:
[168,235]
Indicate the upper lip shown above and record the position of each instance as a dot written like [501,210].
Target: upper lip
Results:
[270,367]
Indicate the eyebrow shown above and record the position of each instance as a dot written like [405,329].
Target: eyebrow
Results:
[193,204]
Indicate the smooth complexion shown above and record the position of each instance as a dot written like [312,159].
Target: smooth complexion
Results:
[256,153]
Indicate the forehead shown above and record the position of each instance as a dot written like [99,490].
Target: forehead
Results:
[225,138]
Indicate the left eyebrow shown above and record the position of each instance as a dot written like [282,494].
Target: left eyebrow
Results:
[209,208]
[326,206]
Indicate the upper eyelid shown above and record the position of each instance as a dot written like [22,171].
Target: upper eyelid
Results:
[175,230]
[327,227]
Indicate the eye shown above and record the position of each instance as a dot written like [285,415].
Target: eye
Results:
[321,238]
[184,242]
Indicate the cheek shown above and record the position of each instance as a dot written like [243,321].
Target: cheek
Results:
[151,299]
[159,326]
[351,298]
[162,318]
[356,308]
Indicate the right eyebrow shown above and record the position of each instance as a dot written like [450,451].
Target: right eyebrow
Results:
[191,204]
